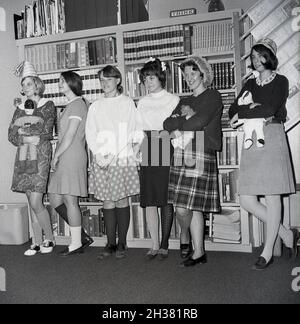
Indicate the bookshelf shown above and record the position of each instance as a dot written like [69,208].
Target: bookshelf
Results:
[215,36]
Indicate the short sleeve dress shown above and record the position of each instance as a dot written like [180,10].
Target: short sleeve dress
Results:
[34,182]
[70,177]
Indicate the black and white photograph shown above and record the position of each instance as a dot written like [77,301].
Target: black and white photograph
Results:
[150,155]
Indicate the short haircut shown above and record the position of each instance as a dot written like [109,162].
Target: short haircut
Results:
[112,72]
[154,68]
[271,59]
[74,82]
[40,86]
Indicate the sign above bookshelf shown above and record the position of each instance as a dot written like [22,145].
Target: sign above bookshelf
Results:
[183,12]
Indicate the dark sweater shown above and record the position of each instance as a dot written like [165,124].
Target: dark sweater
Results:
[208,107]
[272,97]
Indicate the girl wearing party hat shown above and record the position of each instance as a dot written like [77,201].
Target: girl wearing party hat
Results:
[34,182]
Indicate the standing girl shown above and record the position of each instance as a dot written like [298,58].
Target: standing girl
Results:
[270,92]
[29,180]
[69,180]
[193,187]
[153,110]
[110,127]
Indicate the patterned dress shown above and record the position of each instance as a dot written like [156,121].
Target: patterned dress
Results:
[34,182]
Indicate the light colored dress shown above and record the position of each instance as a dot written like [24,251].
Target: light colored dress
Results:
[70,177]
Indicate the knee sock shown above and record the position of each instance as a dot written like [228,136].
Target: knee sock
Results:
[167,216]
[37,233]
[123,220]
[63,213]
[110,221]
[75,238]
[45,223]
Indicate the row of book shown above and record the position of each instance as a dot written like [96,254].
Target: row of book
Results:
[227,227]
[157,42]
[92,222]
[228,186]
[91,86]
[141,230]
[89,200]
[72,54]
[42,17]
[229,155]
[224,79]
[212,37]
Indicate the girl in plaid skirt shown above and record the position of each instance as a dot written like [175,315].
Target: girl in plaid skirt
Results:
[193,186]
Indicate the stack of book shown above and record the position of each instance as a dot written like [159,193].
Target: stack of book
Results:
[229,154]
[157,42]
[227,227]
[42,17]
[228,184]
[72,54]
[212,37]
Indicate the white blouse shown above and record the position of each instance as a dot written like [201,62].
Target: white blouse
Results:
[111,125]
[155,108]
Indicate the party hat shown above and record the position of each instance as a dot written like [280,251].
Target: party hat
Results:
[25,69]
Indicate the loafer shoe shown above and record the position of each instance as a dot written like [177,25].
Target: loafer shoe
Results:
[262,264]
[67,252]
[190,262]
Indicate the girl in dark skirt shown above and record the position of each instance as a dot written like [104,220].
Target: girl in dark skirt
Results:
[154,175]
[193,186]
[266,171]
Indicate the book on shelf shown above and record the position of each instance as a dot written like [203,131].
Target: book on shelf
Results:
[40,18]
[223,80]
[229,155]
[72,54]
[212,37]
[228,183]
[156,42]
[91,86]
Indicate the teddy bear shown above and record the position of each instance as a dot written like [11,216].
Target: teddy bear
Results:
[28,125]
[251,125]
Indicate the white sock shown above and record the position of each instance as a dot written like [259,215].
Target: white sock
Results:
[75,238]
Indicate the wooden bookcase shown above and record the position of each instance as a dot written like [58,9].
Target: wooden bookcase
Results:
[216,56]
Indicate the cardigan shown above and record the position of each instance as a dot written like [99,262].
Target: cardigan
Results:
[272,97]
[208,107]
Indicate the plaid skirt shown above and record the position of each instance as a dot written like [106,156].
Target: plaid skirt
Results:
[193,181]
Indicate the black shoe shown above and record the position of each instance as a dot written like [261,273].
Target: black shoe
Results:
[186,250]
[107,252]
[121,251]
[66,252]
[86,240]
[191,262]
[262,264]
[293,252]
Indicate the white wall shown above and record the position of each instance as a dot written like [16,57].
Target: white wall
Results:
[161,8]
[9,89]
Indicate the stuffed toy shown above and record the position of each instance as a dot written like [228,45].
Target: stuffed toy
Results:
[251,125]
[28,125]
